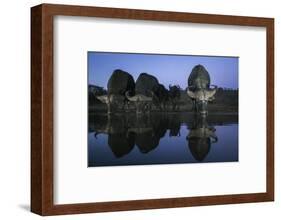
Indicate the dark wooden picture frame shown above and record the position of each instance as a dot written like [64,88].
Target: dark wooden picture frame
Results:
[42,109]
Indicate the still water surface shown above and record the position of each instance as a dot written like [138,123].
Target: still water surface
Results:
[161,138]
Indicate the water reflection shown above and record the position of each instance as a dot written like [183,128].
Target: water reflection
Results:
[200,137]
[161,138]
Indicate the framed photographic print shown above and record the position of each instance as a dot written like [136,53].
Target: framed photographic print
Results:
[138,109]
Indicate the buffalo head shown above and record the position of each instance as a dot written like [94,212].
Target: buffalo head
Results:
[201,97]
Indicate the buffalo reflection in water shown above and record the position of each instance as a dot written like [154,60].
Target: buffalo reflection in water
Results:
[145,131]
[200,137]
[125,131]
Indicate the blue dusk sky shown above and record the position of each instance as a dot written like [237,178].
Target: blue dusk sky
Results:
[169,69]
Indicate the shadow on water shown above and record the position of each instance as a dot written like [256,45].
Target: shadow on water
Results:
[161,138]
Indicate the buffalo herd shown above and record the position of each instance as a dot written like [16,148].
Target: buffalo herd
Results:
[147,94]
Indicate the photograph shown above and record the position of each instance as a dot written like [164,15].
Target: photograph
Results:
[146,109]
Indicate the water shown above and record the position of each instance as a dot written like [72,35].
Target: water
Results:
[161,138]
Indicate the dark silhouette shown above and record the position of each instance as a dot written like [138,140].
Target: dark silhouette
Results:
[174,96]
[199,89]
[118,84]
[200,137]
[144,93]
